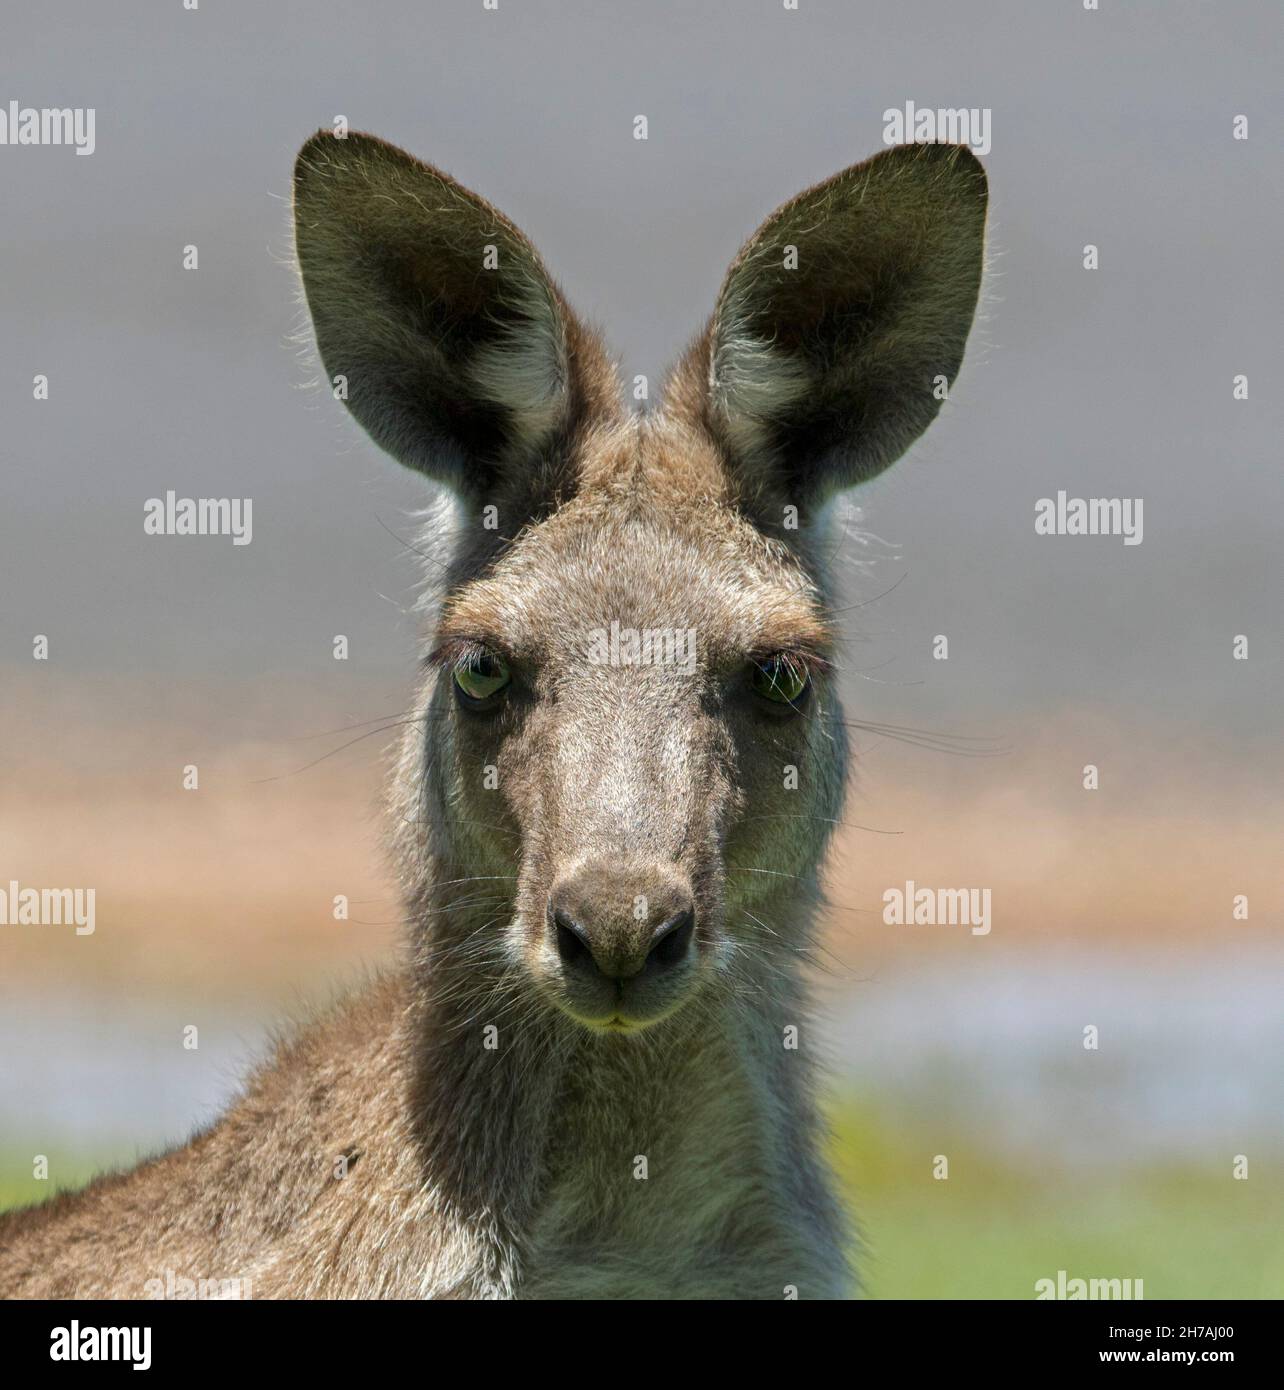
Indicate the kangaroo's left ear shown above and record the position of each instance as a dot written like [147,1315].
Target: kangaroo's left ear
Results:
[455,349]
[840,323]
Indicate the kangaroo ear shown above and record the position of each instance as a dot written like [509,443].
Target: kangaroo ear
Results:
[840,319]
[458,353]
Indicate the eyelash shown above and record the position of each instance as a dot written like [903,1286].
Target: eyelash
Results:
[456,652]
[810,663]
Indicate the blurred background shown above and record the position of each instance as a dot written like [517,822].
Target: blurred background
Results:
[1111,909]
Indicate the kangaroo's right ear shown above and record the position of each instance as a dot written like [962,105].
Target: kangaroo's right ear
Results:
[841,323]
[435,317]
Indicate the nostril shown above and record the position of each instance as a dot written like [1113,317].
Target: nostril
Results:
[672,941]
[572,939]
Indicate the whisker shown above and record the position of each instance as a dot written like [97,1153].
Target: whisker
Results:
[931,740]
[347,728]
[829,820]
[398,724]
[851,607]
[472,878]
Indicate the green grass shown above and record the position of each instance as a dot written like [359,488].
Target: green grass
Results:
[993,1228]
[18,1187]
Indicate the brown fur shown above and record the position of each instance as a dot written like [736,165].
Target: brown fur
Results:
[476,1124]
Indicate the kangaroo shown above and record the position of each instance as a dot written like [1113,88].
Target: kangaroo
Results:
[593,1074]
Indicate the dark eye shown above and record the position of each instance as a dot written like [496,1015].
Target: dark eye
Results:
[782,679]
[480,677]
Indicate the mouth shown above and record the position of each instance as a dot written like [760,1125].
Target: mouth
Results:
[619,1008]
[615,1024]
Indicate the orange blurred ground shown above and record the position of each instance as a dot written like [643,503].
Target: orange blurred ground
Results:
[229,888]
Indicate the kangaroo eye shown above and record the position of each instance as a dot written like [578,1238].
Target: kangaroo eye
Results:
[481,676]
[781,678]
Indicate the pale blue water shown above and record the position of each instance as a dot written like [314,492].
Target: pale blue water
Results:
[1190,1066]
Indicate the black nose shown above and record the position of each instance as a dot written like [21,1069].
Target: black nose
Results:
[605,953]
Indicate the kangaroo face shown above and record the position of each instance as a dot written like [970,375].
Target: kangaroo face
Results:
[651,688]
[629,722]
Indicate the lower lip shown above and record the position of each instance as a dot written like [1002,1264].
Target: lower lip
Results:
[619,1026]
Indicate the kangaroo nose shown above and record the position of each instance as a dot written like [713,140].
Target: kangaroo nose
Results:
[577,947]
[604,925]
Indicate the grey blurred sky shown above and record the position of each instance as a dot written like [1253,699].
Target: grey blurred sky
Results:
[1111,127]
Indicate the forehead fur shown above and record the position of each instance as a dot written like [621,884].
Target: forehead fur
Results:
[652,538]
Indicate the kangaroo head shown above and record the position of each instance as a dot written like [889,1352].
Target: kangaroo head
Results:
[629,750]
